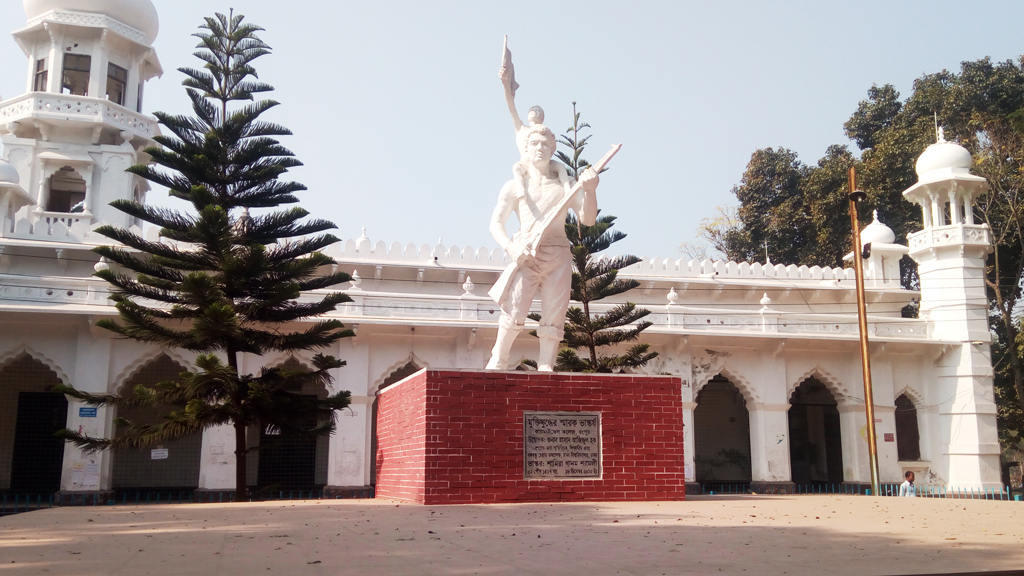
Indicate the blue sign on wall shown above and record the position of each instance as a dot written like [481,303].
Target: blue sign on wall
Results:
[86,412]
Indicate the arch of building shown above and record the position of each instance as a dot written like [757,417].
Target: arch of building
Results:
[283,461]
[142,360]
[14,353]
[31,457]
[396,372]
[722,441]
[735,377]
[388,376]
[908,432]
[815,434]
[834,385]
[136,469]
[915,396]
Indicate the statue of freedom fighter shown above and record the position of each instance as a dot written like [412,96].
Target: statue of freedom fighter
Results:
[540,194]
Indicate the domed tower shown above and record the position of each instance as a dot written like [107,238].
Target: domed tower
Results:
[79,125]
[951,252]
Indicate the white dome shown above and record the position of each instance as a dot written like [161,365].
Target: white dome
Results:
[942,155]
[8,173]
[139,14]
[877,233]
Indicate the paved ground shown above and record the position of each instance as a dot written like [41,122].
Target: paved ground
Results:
[857,535]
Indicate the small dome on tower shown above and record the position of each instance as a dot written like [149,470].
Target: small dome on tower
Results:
[877,233]
[943,155]
[8,174]
[139,14]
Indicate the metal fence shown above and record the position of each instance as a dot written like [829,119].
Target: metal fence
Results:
[852,489]
[20,503]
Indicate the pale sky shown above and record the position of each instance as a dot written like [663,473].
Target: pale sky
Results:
[399,117]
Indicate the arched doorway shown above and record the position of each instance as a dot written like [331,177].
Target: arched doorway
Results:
[135,470]
[908,438]
[288,461]
[31,458]
[815,438]
[398,375]
[721,437]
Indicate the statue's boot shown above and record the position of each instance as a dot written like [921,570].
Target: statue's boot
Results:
[507,332]
[550,338]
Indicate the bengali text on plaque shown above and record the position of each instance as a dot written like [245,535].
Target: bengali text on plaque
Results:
[562,445]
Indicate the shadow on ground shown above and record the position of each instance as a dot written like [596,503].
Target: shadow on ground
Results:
[736,535]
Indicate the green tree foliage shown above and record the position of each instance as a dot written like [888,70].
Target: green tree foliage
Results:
[224,282]
[799,211]
[982,108]
[594,278]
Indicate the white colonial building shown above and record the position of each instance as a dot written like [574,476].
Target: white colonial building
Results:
[768,354]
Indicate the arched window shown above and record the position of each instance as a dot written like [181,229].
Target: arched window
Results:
[908,438]
[67,191]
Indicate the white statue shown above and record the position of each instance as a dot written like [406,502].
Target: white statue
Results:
[507,75]
[540,194]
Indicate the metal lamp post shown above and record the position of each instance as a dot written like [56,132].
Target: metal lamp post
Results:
[858,267]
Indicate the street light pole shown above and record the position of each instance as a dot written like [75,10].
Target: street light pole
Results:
[862,317]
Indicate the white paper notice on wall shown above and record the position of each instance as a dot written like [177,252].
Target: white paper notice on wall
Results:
[688,471]
[91,477]
[158,454]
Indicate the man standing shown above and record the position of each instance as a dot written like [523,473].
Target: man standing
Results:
[549,268]
[908,488]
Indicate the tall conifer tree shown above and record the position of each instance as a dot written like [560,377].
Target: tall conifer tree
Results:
[223,282]
[594,278]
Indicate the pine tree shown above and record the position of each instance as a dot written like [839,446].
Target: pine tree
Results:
[594,278]
[223,282]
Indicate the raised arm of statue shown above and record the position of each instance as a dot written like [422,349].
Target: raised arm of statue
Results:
[507,74]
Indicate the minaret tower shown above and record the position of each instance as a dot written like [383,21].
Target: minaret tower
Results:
[951,252]
[79,125]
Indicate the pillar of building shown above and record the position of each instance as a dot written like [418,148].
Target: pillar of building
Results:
[349,461]
[951,260]
[87,476]
[769,427]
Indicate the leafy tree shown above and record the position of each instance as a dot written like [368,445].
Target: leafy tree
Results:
[981,106]
[978,108]
[595,278]
[223,282]
[715,236]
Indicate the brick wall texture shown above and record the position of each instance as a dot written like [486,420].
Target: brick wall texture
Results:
[456,436]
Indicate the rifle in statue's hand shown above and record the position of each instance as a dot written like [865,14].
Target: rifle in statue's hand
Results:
[530,244]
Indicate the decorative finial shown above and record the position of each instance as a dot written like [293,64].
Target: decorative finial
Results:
[673,296]
[468,286]
[363,243]
[876,215]
[942,135]
[356,280]
[101,265]
[765,303]
[767,260]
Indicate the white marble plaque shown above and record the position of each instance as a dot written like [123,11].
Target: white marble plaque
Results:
[561,445]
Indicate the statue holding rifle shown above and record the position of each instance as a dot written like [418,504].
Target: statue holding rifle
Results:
[540,194]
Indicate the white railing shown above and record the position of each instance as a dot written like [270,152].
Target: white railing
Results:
[361,250]
[85,109]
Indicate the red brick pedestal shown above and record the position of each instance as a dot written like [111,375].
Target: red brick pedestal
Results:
[456,436]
